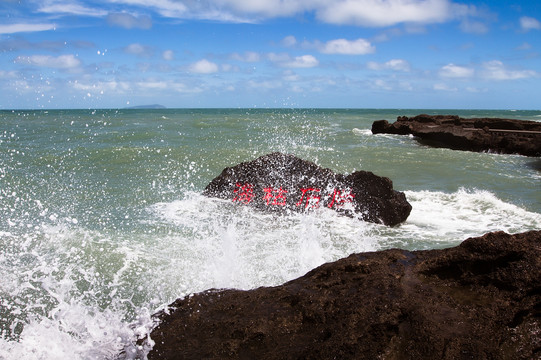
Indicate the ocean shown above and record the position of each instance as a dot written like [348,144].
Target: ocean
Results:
[102,221]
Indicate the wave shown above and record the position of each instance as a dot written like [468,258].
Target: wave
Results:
[449,218]
[88,294]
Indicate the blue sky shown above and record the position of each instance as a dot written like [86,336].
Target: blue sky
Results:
[270,53]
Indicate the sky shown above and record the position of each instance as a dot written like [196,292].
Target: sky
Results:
[438,54]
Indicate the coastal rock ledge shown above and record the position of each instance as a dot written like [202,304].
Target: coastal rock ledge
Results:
[479,300]
[507,136]
[281,183]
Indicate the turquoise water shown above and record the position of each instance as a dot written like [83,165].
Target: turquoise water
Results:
[102,221]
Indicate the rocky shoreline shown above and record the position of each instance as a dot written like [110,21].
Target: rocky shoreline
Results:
[479,300]
[506,136]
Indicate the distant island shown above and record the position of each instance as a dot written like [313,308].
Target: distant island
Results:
[153,106]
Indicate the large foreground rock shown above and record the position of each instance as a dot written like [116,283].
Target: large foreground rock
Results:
[484,134]
[280,183]
[480,300]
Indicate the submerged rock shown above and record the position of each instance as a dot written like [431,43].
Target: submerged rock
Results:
[280,183]
[484,134]
[480,300]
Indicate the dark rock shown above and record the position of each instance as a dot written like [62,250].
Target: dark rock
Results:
[480,300]
[484,134]
[281,183]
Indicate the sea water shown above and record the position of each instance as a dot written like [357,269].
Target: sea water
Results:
[102,221]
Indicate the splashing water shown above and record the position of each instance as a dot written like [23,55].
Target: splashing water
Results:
[102,222]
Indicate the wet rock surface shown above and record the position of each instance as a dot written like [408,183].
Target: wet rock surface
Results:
[507,136]
[479,300]
[281,183]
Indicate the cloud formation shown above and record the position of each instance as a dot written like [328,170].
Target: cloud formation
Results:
[69,7]
[249,56]
[444,87]
[383,12]
[168,55]
[336,46]
[529,23]
[304,61]
[496,70]
[204,67]
[456,71]
[59,62]
[286,61]
[347,47]
[22,27]
[129,21]
[394,64]
[370,13]
[138,50]
[473,27]
[166,8]
[284,57]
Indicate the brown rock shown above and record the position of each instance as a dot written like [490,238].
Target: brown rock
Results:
[480,300]
[282,183]
[484,134]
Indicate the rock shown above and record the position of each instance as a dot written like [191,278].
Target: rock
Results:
[480,300]
[484,134]
[281,183]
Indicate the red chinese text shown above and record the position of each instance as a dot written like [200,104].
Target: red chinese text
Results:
[244,193]
[275,196]
[310,198]
[340,198]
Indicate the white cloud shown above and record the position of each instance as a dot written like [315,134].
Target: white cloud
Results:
[59,62]
[289,41]
[152,85]
[350,12]
[70,8]
[122,87]
[129,21]
[286,61]
[455,71]
[473,27]
[8,74]
[290,76]
[476,90]
[524,46]
[372,13]
[278,58]
[183,88]
[496,70]
[204,67]
[347,47]
[394,64]
[100,87]
[304,61]
[17,28]
[21,86]
[167,8]
[444,87]
[248,56]
[383,12]
[228,68]
[266,84]
[391,85]
[344,12]
[529,23]
[382,84]
[266,8]
[406,86]
[138,49]
[168,55]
